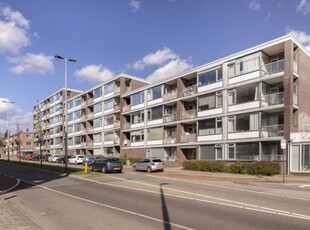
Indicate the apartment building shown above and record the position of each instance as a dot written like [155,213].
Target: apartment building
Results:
[22,142]
[238,108]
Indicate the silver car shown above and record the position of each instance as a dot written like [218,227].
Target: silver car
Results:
[149,165]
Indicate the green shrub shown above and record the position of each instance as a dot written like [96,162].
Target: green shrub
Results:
[206,166]
[132,160]
[265,168]
[239,168]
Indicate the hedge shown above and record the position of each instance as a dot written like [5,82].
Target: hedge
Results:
[266,168]
[132,160]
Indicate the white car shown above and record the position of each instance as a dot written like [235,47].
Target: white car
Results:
[76,159]
[53,158]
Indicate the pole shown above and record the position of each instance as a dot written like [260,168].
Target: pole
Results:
[66,120]
[8,131]
[40,150]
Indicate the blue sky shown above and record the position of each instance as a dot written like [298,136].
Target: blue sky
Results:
[151,39]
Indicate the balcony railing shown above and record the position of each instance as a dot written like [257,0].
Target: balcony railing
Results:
[170,96]
[126,108]
[191,137]
[117,123]
[170,117]
[189,114]
[116,140]
[117,90]
[275,67]
[90,115]
[169,140]
[271,131]
[90,100]
[260,158]
[274,98]
[191,90]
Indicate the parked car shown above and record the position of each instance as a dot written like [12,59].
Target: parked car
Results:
[28,157]
[53,158]
[61,159]
[89,160]
[149,165]
[76,159]
[104,165]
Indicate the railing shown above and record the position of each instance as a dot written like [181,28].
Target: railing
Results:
[274,98]
[116,140]
[126,108]
[90,115]
[89,101]
[116,107]
[170,117]
[191,90]
[189,114]
[191,137]
[117,123]
[117,90]
[260,158]
[170,96]
[169,140]
[275,67]
[271,131]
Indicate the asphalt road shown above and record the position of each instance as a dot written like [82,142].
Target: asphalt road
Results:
[143,201]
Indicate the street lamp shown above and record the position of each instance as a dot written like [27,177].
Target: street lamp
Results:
[7,120]
[66,109]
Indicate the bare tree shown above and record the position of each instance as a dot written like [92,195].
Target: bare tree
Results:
[17,140]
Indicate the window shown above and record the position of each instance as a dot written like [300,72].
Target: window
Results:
[155,113]
[137,98]
[155,133]
[52,110]
[108,104]
[244,65]
[70,129]
[97,93]
[51,99]
[207,102]
[98,122]
[109,120]
[109,136]
[243,94]
[57,119]
[137,117]
[77,114]
[70,117]
[246,151]
[243,122]
[78,127]
[98,107]
[78,140]
[57,108]
[109,87]
[231,151]
[70,141]
[70,104]
[98,137]
[154,93]
[210,77]
[51,131]
[137,136]
[210,127]
[77,101]
[155,153]
[207,152]
[57,97]
[58,129]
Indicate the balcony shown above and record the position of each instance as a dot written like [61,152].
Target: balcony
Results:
[126,125]
[189,114]
[117,123]
[116,140]
[170,96]
[90,100]
[170,117]
[117,90]
[90,115]
[126,108]
[271,131]
[275,67]
[189,91]
[273,99]
[188,137]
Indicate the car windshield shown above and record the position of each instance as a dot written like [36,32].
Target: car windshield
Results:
[80,156]
[157,160]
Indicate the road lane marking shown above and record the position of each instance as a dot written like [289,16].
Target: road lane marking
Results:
[230,203]
[109,206]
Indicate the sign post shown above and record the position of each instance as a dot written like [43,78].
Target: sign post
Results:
[283,146]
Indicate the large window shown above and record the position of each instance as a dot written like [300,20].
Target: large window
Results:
[98,137]
[98,122]
[77,101]
[155,133]
[70,104]
[244,65]
[78,127]
[243,151]
[57,108]
[109,136]
[243,122]
[210,77]
[137,136]
[57,97]
[243,94]
[98,107]
[70,117]
[109,87]
[154,93]
[210,127]
[70,129]
[137,98]
[77,114]
[109,120]
[210,101]
[137,117]
[155,113]
[108,104]
[211,152]
[97,93]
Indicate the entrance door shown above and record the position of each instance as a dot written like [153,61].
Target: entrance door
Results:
[305,164]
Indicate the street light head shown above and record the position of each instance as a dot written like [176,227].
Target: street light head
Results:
[59,57]
[72,60]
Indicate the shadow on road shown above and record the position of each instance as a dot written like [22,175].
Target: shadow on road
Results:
[164,208]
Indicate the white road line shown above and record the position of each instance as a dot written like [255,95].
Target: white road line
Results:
[220,201]
[18,181]
[110,207]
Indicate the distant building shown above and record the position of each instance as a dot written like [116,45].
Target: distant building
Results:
[249,106]
[21,142]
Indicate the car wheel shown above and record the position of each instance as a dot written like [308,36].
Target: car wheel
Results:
[104,169]
[134,168]
[149,169]
[119,171]
[161,170]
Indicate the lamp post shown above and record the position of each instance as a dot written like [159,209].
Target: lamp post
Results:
[7,120]
[66,109]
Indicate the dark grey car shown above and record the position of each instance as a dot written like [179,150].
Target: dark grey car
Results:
[106,165]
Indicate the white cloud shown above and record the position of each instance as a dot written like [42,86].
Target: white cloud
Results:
[94,74]
[13,30]
[157,58]
[135,5]
[254,5]
[304,6]
[32,63]
[301,36]
[171,68]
